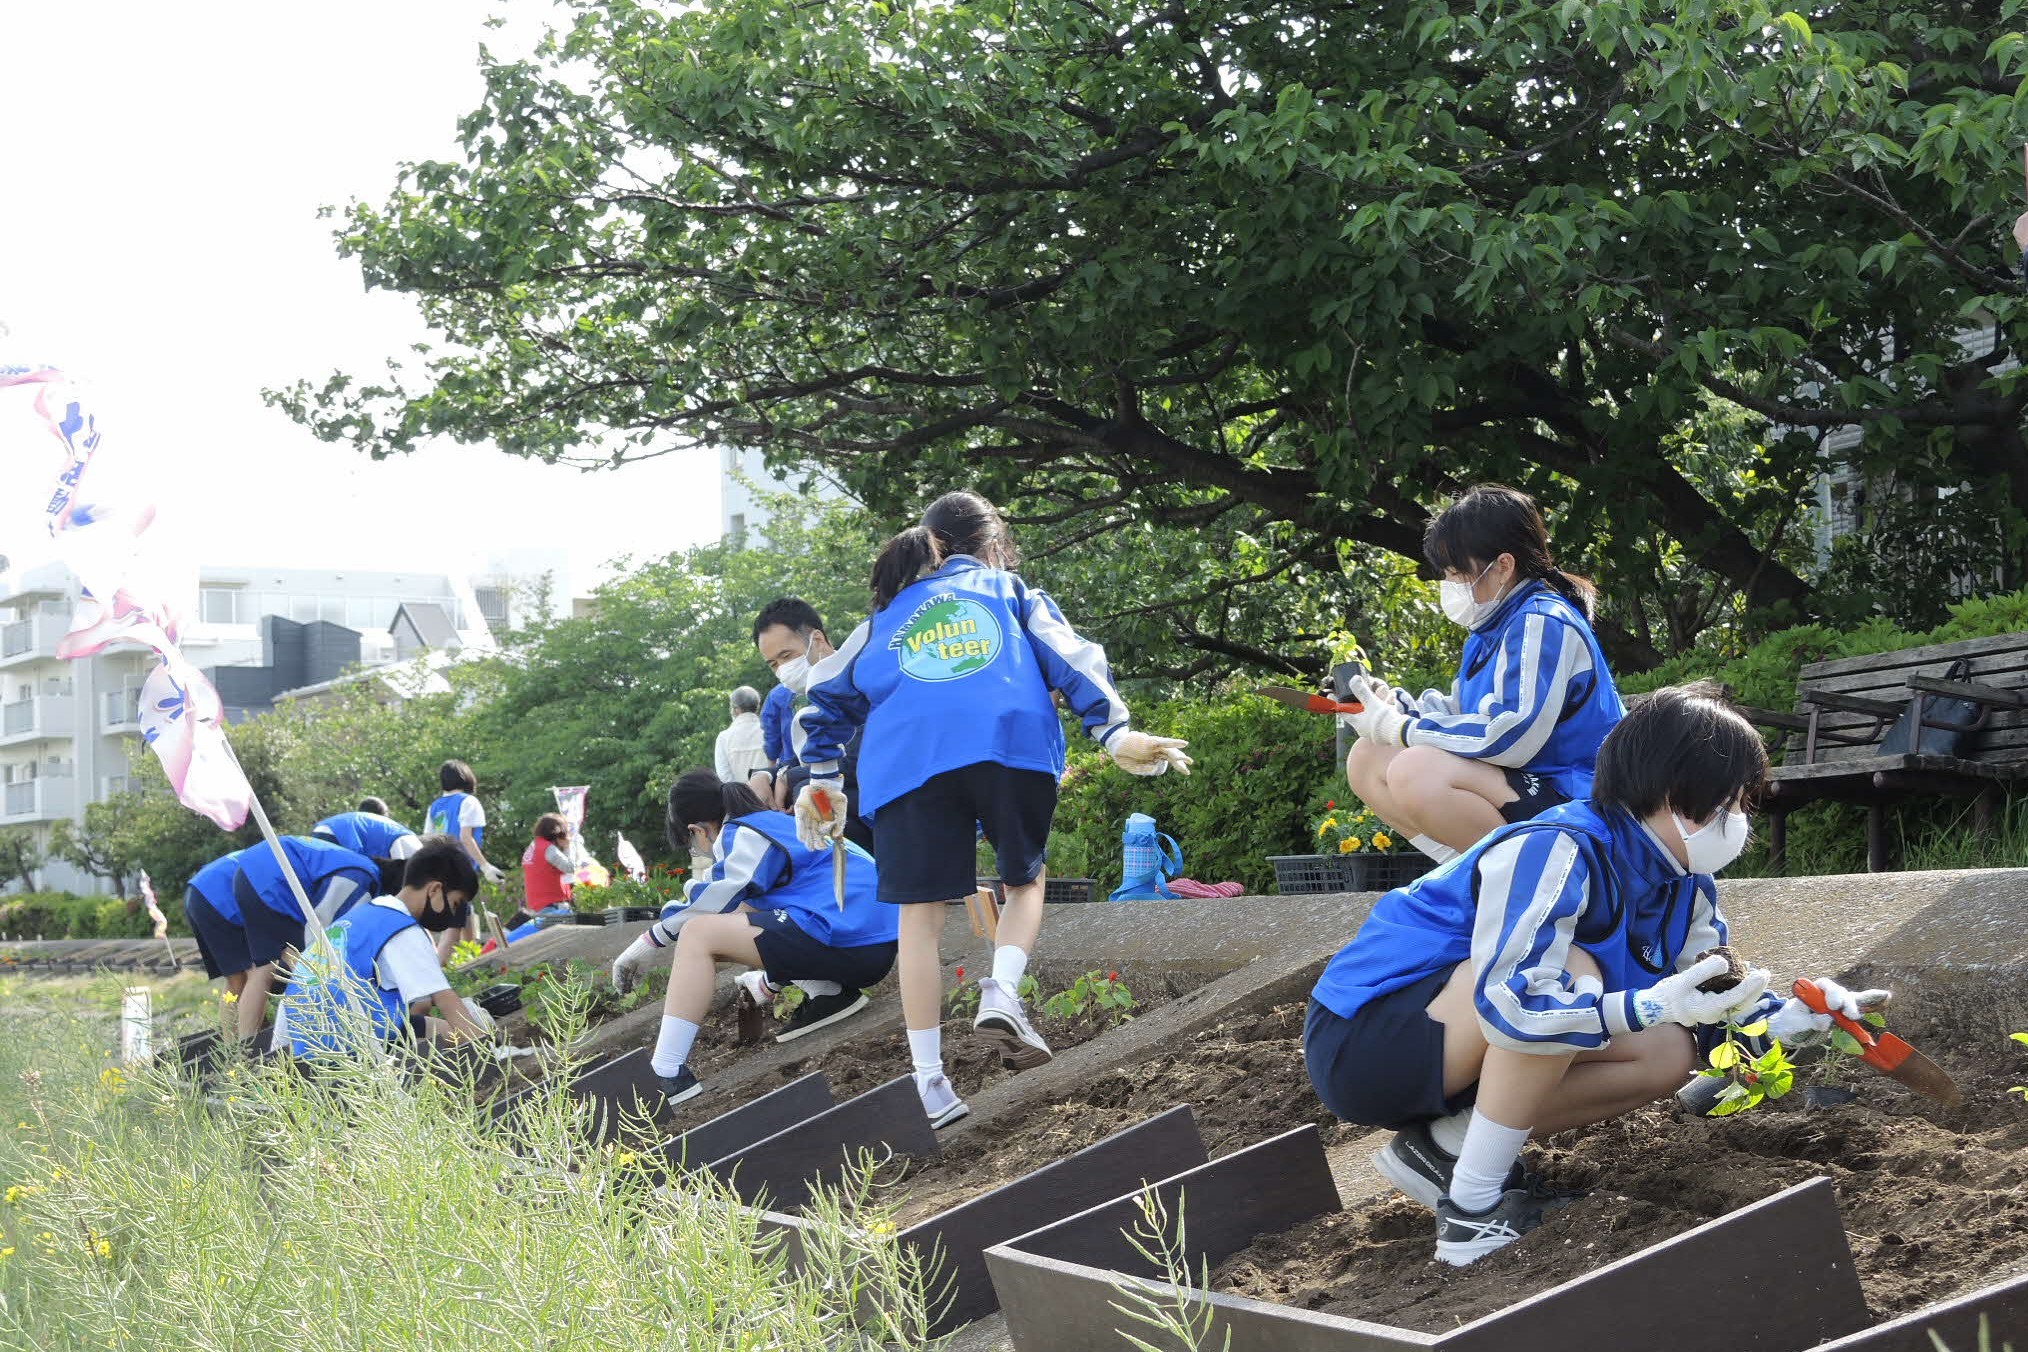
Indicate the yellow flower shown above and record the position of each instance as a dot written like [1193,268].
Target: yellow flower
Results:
[1382,841]
[227,998]
[626,1157]
[881,1228]
[104,1248]
[7,1252]
[1348,845]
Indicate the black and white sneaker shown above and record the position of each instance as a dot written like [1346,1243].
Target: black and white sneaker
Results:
[681,1086]
[1416,1164]
[820,1011]
[1464,1237]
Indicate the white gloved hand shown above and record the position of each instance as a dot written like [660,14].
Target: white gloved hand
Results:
[477,1013]
[1796,1024]
[1139,753]
[1379,719]
[490,872]
[1676,999]
[814,828]
[701,866]
[627,966]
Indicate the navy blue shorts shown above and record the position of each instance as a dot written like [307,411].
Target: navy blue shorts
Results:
[220,943]
[1535,795]
[268,932]
[789,954]
[926,841]
[1384,1066]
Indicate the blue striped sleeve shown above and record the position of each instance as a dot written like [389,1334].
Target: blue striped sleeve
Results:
[1073,665]
[1533,888]
[1538,662]
[744,864]
[837,706]
[776,714]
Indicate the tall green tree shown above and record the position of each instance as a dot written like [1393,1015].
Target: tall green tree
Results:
[1207,261]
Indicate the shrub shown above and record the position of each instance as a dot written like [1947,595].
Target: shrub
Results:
[61,915]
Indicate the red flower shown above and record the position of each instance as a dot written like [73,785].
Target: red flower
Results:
[1330,804]
[1112,976]
[961,974]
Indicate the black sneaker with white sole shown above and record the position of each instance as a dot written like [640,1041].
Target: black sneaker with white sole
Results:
[1416,1164]
[680,1087]
[820,1011]
[1464,1237]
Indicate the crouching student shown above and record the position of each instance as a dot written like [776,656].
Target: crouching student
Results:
[1549,977]
[546,869]
[761,898]
[369,832]
[213,913]
[334,878]
[382,971]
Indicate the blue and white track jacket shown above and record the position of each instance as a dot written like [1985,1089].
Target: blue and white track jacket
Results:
[1514,905]
[757,859]
[1533,693]
[955,671]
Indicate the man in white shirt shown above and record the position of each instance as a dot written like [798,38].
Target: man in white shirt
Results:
[739,753]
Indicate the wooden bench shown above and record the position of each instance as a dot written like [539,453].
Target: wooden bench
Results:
[1845,707]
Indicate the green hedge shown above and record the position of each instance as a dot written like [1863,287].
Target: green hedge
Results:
[1258,769]
[61,915]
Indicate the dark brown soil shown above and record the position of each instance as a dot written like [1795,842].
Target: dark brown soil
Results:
[1935,1199]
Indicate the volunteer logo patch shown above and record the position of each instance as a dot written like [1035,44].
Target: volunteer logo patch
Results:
[948,637]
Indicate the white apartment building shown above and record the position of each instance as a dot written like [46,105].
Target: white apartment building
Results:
[744,475]
[68,730]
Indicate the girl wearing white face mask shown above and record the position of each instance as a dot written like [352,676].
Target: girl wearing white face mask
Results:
[1549,977]
[1519,730]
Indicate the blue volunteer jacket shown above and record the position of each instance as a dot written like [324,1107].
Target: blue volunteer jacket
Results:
[1533,693]
[778,711]
[367,833]
[315,1000]
[213,882]
[442,818]
[1514,905]
[335,878]
[758,860]
[955,671]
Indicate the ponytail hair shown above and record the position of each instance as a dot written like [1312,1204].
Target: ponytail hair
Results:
[1490,520]
[956,523]
[701,796]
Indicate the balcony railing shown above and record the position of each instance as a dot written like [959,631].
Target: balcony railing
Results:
[37,799]
[38,716]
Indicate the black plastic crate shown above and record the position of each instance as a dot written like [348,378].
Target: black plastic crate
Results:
[1383,872]
[1055,891]
[499,1000]
[1307,874]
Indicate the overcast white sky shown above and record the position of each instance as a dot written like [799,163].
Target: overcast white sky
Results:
[159,238]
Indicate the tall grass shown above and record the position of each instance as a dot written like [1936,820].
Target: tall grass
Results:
[374,1207]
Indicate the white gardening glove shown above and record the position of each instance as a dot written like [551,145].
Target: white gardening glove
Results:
[478,1015]
[1139,753]
[1795,1024]
[1379,719]
[814,828]
[1676,999]
[490,872]
[627,966]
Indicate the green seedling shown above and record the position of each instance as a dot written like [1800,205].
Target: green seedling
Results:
[786,1002]
[1099,993]
[2021,1089]
[1754,1079]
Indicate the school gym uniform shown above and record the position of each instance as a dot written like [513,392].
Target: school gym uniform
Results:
[370,834]
[1533,696]
[384,962]
[334,878]
[1512,907]
[758,861]
[952,683]
[213,913]
[450,813]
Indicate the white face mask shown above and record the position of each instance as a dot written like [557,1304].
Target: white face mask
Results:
[795,674]
[1715,844]
[1462,606]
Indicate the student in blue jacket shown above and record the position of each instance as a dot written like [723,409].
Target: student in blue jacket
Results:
[334,878]
[760,897]
[369,832]
[213,913]
[1519,730]
[1549,977]
[951,679]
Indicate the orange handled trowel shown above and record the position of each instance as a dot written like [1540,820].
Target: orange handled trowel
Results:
[822,802]
[1887,1053]
[1308,703]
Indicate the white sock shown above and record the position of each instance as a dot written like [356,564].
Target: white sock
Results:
[672,1046]
[926,1049]
[1449,1132]
[816,988]
[1010,964]
[1435,849]
[1483,1164]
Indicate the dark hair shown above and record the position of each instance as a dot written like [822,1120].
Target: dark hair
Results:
[1491,520]
[1684,747]
[956,523]
[792,611]
[457,777]
[551,826]
[377,806]
[441,860]
[701,796]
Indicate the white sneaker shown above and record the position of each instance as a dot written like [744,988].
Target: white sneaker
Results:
[940,1102]
[1001,1014]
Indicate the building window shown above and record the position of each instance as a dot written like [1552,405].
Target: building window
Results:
[492,607]
[738,525]
[225,605]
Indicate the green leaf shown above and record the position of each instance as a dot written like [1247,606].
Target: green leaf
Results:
[1846,1043]
[1724,1056]
[1874,1018]
[2021,1038]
